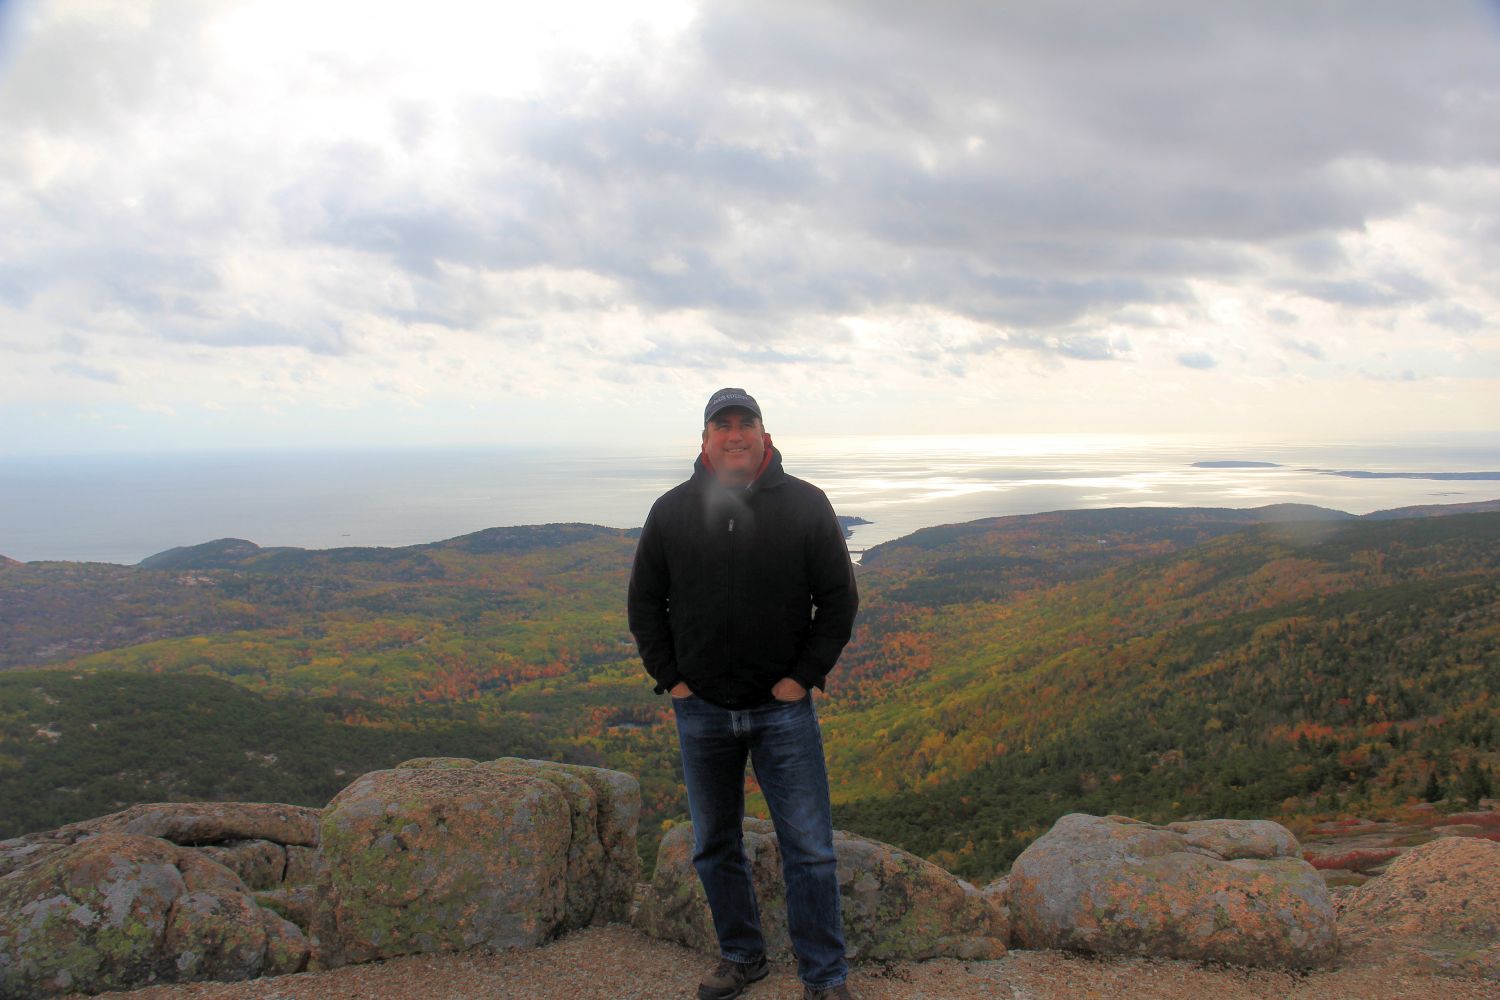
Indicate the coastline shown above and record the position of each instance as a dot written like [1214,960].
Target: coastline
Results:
[122,509]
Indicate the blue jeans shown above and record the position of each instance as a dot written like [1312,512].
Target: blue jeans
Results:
[785,745]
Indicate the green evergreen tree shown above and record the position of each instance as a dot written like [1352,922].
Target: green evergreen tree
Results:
[1433,790]
[1474,783]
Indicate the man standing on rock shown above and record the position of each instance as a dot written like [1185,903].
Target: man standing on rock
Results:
[741,599]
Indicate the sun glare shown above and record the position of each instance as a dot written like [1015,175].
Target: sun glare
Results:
[446,47]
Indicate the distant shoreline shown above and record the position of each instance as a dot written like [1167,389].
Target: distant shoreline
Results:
[1458,476]
[1354,473]
[122,509]
[1232,464]
[849,523]
[238,548]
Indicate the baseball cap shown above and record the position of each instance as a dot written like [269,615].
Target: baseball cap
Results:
[725,398]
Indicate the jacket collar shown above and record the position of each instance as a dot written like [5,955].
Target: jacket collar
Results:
[771,472]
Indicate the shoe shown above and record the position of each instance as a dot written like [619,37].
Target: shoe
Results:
[729,978]
[840,992]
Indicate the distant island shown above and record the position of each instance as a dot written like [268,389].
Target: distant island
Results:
[1236,465]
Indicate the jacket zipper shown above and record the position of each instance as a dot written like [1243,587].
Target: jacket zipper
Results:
[729,612]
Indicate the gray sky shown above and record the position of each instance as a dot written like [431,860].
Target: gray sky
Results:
[307,222]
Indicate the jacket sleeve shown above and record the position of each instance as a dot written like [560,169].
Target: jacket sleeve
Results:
[647,606]
[835,600]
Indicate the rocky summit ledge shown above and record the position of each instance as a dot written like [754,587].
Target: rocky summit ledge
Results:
[442,873]
[616,962]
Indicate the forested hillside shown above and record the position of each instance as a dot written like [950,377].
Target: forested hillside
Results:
[1164,663]
[112,738]
[1283,670]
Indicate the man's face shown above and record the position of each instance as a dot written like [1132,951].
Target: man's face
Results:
[735,443]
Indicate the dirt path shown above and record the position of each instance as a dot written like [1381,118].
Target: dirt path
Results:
[617,963]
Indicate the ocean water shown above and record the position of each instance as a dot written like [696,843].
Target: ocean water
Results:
[122,508]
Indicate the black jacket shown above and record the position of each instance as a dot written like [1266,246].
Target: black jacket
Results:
[734,589]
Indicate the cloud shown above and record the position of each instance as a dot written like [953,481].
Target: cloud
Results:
[1306,348]
[1373,292]
[105,375]
[136,55]
[1081,347]
[726,162]
[1456,317]
[233,192]
[1390,375]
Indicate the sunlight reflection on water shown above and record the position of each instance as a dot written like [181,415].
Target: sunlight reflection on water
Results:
[124,508]
[906,483]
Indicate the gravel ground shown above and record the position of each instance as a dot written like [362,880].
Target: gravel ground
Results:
[617,963]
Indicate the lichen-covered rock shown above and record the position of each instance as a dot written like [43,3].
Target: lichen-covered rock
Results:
[303,865]
[188,824]
[417,763]
[1235,839]
[18,852]
[260,864]
[1437,909]
[606,812]
[585,867]
[997,893]
[301,904]
[443,859]
[118,911]
[896,906]
[1222,890]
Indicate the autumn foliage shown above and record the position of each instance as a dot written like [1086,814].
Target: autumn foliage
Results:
[1163,663]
